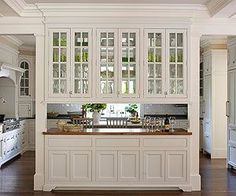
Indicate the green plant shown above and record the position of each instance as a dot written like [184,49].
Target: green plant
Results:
[94,107]
[132,108]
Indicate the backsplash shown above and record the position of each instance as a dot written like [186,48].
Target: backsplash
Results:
[163,109]
[63,108]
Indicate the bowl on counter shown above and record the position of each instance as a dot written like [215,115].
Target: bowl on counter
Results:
[52,114]
[135,121]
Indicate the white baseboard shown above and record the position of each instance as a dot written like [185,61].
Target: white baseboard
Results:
[38,182]
[195,182]
[219,153]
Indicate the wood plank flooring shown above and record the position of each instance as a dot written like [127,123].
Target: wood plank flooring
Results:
[16,179]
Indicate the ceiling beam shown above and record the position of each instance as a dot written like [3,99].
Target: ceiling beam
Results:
[222,8]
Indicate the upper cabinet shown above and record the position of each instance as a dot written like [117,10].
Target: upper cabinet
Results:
[107,48]
[59,63]
[165,62]
[25,79]
[118,62]
[69,63]
[106,63]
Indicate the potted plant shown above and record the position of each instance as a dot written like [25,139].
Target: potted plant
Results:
[96,108]
[132,109]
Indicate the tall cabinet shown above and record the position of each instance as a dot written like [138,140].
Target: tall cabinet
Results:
[231,104]
[214,98]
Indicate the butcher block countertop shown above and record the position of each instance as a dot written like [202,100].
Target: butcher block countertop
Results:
[117,131]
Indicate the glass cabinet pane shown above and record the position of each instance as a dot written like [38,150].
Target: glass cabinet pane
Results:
[107,62]
[176,63]
[81,62]
[25,79]
[59,62]
[129,59]
[154,63]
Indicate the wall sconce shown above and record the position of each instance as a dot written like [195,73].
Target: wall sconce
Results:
[3,101]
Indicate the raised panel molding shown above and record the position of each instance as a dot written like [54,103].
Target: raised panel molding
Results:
[154,166]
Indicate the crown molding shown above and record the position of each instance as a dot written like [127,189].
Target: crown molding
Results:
[12,39]
[24,9]
[207,41]
[124,10]
[215,6]
[27,48]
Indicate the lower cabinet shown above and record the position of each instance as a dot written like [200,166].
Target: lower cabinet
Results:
[81,166]
[125,162]
[106,166]
[28,134]
[232,146]
[59,166]
[176,164]
[154,164]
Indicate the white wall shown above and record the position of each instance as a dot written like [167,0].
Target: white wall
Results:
[7,91]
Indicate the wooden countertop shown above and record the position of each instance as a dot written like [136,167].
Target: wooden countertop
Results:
[117,131]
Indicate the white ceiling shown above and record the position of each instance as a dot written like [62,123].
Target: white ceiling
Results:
[121,1]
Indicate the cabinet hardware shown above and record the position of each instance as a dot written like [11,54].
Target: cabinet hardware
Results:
[70,92]
[227,109]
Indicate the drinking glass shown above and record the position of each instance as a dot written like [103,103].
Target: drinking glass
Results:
[172,122]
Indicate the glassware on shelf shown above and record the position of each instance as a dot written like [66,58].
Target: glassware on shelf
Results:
[172,122]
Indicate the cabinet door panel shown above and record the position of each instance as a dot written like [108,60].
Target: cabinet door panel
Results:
[107,62]
[59,63]
[176,58]
[58,166]
[176,166]
[106,166]
[154,62]
[154,166]
[129,63]
[128,166]
[81,62]
[81,166]
[231,96]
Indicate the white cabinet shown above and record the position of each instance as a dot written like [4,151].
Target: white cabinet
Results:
[215,97]
[81,166]
[58,164]
[95,161]
[128,166]
[231,53]
[153,166]
[70,63]
[118,62]
[27,127]
[106,166]
[165,63]
[231,104]
[26,87]
[25,110]
[176,166]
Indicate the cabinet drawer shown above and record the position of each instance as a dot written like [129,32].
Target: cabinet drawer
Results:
[119,142]
[232,135]
[73,142]
[164,142]
[232,154]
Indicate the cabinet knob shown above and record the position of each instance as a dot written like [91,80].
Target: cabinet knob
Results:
[70,92]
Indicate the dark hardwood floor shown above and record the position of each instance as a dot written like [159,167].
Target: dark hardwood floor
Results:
[17,180]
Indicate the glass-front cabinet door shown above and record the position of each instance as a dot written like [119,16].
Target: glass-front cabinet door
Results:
[176,63]
[81,63]
[154,62]
[129,62]
[107,62]
[59,58]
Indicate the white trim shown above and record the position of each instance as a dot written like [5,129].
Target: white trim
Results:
[12,39]
[215,6]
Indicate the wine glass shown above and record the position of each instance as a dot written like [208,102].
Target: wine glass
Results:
[172,122]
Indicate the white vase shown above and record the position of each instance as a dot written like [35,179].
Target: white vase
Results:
[96,117]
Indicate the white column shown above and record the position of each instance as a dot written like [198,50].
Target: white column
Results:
[194,107]
[40,111]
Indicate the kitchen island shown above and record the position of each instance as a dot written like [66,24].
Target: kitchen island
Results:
[117,159]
